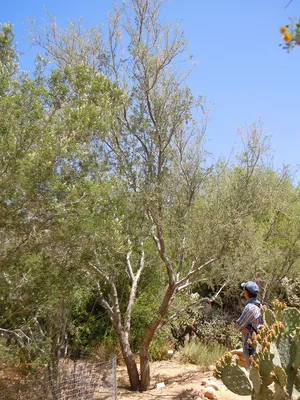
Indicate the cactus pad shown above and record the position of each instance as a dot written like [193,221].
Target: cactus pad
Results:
[265,368]
[291,318]
[255,379]
[297,380]
[280,393]
[235,379]
[264,394]
[269,317]
[280,376]
[286,350]
[297,352]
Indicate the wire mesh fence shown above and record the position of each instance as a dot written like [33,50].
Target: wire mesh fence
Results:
[73,380]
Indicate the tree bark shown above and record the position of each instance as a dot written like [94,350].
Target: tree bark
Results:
[144,367]
[144,348]
[129,360]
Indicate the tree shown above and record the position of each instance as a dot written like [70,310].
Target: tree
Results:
[50,122]
[160,216]
[109,187]
[155,151]
[254,211]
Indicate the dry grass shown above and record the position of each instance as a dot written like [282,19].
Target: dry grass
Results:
[195,352]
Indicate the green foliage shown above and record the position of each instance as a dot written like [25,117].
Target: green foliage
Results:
[7,356]
[290,291]
[277,359]
[248,225]
[208,324]
[145,306]
[8,56]
[161,343]
[107,201]
[216,326]
[50,128]
[88,324]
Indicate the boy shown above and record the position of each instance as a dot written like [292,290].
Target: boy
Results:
[251,319]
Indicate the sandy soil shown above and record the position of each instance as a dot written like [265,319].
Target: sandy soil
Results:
[181,381]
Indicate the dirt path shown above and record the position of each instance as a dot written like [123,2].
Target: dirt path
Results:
[181,381]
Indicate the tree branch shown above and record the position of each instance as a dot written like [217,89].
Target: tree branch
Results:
[129,267]
[160,245]
[132,296]
[183,283]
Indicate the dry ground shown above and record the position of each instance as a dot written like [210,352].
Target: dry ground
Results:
[182,381]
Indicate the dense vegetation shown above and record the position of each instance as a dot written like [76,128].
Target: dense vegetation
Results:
[115,227]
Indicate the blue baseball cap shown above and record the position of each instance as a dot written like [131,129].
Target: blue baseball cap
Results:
[251,287]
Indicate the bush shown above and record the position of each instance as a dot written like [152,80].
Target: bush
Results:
[198,353]
[208,325]
[217,326]
[161,343]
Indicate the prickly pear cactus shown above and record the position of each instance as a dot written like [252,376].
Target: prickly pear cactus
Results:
[256,379]
[233,377]
[279,375]
[291,319]
[268,316]
[275,369]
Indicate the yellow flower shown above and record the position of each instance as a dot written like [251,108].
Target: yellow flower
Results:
[283,29]
[287,37]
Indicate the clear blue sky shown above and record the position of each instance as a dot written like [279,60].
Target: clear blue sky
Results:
[241,68]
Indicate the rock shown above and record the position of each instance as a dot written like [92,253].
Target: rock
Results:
[211,383]
[239,356]
[210,393]
[214,385]
[245,370]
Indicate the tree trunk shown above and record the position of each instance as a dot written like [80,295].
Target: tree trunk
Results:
[129,360]
[132,370]
[145,367]
[144,348]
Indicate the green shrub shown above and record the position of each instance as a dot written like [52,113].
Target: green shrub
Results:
[201,354]
[4,352]
[208,325]
[217,326]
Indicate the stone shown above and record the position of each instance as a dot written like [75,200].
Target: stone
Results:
[214,385]
[210,393]
[211,383]
[239,356]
